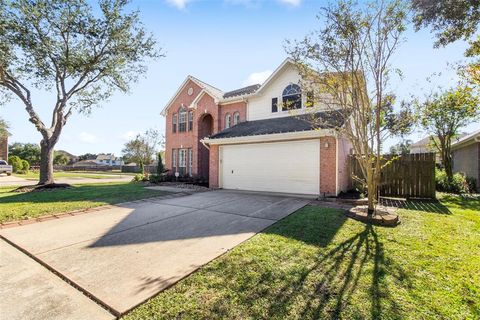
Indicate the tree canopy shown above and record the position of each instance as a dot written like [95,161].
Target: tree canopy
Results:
[143,148]
[79,53]
[443,114]
[450,20]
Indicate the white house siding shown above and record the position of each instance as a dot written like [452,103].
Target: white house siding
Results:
[260,106]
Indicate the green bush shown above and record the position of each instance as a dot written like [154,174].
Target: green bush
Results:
[25,166]
[139,177]
[459,183]
[16,164]
[160,166]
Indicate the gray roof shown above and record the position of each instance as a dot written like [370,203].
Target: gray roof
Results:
[241,91]
[306,122]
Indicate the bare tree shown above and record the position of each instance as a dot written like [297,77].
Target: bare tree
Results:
[67,47]
[345,65]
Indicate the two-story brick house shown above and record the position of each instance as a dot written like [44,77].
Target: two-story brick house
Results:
[248,138]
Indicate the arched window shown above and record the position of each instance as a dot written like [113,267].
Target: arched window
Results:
[228,120]
[292,97]
[236,118]
[182,119]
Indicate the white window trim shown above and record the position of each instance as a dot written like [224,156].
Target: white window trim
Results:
[182,158]
[228,122]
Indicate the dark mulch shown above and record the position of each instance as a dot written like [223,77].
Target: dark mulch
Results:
[43,187]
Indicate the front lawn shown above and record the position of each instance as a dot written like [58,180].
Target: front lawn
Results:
[34,175]
[317,264]
[16,206]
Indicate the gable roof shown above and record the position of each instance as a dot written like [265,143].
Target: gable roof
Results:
[211,90]
[304,122]
[221,96]
[467,139]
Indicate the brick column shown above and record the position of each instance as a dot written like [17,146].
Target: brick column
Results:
[214,166]
[328,166]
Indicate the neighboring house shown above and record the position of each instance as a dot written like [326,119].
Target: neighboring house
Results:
[4,148]
[422,146]
[109,159]
[245,139]
[466,156]
[88,163]
[71,158]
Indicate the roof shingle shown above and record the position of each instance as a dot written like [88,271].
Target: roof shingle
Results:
[241,91]
[305,122]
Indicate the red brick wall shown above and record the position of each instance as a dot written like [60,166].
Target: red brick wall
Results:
[4,148]
[328,167]
[214,167]
[191,139]
[240,107]
[180,139]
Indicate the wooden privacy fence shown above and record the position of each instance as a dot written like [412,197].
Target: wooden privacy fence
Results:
[407,176]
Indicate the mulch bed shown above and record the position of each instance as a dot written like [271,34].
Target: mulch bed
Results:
[45,187]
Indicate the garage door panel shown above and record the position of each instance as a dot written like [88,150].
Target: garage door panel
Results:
[278,167]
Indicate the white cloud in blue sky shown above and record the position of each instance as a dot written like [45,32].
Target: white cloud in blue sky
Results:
[257,77]
[180,4]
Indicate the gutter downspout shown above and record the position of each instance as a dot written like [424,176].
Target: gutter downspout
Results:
[205,144]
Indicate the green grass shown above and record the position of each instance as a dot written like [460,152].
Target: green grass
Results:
[317,264]
[16,206]
[31,175]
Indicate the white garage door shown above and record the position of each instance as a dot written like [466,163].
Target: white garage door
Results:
[292,167]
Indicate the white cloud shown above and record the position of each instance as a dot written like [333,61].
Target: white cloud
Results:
[257,77]
[87,137]
[129,135]
[180,4]
[294,3]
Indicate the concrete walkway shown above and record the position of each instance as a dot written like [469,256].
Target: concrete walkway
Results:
[30,291]
[124,255]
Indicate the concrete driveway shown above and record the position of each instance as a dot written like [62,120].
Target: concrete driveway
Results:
[125,255]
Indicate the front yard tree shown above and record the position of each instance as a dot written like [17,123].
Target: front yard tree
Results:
[345,65]
[143,148]
[80,53]
[444,114]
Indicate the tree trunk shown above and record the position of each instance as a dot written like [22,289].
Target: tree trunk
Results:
[372,192]
[46,162]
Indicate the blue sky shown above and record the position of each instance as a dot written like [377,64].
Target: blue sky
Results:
[228,44]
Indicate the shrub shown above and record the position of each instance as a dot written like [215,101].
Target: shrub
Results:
[138,177]
[459,183]
[25,166]
[16,164]
[160,167]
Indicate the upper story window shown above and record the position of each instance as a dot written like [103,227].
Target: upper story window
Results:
[190,121]
[228,120]
[236,118]
[182,119]
[174,123]
[274,104]
[292,97]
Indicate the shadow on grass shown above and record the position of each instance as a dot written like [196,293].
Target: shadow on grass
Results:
[432,206]
[109,193]
[322,286]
